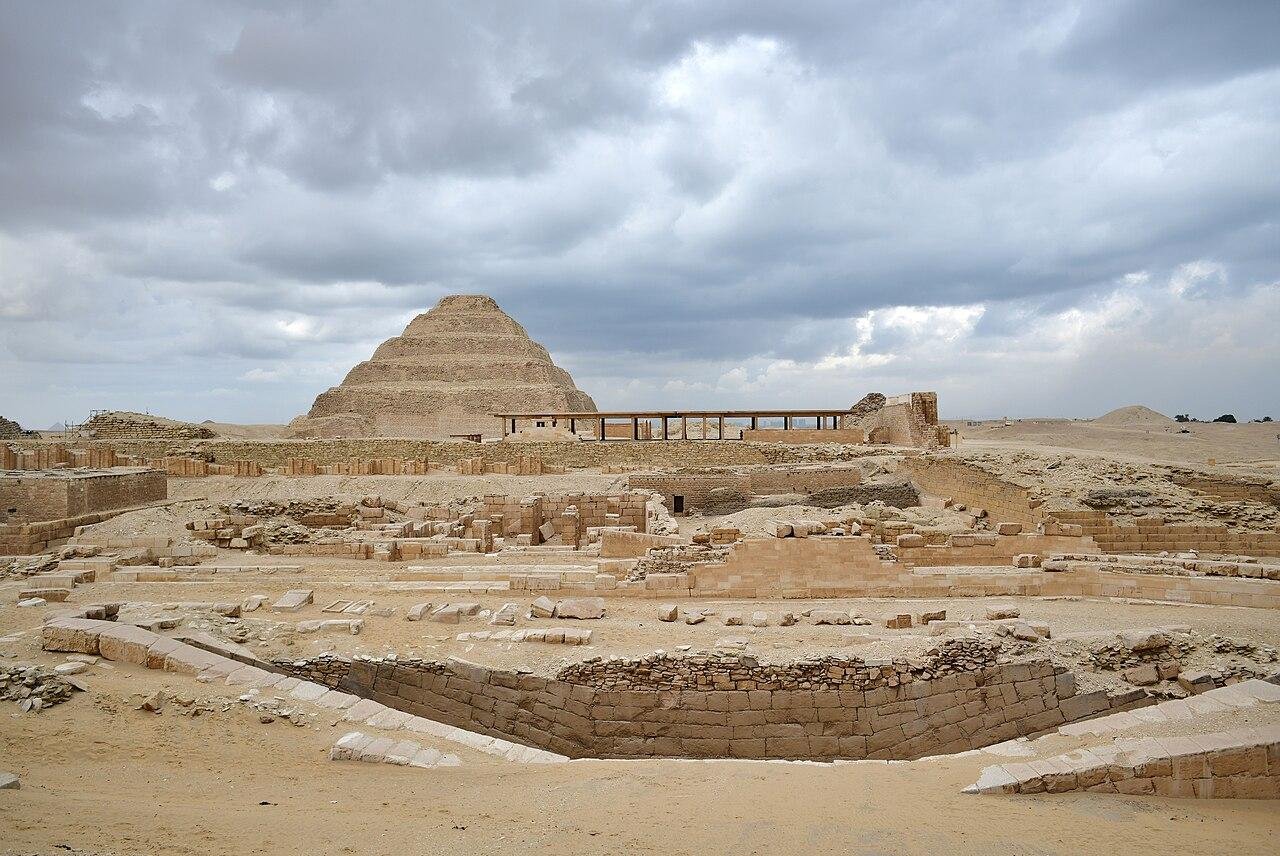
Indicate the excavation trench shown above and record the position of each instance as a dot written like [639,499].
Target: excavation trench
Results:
[731,706]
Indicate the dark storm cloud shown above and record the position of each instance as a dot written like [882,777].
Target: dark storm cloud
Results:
[707,201]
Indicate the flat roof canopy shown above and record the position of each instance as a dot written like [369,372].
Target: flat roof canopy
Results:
[672,414]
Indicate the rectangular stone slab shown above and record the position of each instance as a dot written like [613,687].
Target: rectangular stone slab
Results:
[293,600]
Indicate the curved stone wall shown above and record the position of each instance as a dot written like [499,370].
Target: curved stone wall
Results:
[717,705]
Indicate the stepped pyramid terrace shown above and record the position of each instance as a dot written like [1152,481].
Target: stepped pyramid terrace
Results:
[449,370]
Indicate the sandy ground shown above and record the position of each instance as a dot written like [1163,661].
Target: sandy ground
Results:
[99,777]
[1255,443]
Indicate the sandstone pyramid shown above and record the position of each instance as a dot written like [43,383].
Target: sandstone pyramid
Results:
[450,369]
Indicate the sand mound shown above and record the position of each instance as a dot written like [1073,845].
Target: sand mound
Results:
[1133,415]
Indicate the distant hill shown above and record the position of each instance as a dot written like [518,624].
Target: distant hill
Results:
[1134,416]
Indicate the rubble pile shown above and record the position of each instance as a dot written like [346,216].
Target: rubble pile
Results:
[33,687]
[731,671]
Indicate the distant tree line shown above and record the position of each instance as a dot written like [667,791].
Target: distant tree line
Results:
[1226,417]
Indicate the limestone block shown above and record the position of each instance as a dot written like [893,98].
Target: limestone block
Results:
[543,607]
[787,619]
[445,614]
[733,619]
[898,622]
[580,608]
[995,613]
[1009,528]
[759,619]
[293,600]
[126,643]
[417,612]
[910,539]
[830,616]
[506,615]
[668,612]
[79,635]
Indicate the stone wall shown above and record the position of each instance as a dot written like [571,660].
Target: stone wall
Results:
[974,487]
[675,453]
[1153,535]
[1230,489]
[27,497]
[523,516]
[696,487]
[804,435]
[712,705]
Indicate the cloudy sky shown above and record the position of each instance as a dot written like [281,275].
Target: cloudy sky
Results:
[212,211]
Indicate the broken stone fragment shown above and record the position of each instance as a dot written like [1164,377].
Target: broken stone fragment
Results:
[829,616]
[543,607]
[1142,641]
[9,782]
[759,619]
[668,612]
[580,608]
[1142,676]
[506,615]
[995,613]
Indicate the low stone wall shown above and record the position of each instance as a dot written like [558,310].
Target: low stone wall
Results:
[1241,764]
[675,453]
[1154,535]
[619,544]
[710,705]
[804,435]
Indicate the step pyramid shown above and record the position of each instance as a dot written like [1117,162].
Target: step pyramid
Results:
[449,370]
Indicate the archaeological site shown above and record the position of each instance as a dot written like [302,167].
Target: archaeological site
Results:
[456,561]
[639,427]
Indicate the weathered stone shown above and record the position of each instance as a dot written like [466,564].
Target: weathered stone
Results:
[668,612]
[580,608]
[542,607]
[293,600]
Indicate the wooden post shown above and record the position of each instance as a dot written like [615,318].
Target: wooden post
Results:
[721,437]
[602,429]
[635,427]
[684,427]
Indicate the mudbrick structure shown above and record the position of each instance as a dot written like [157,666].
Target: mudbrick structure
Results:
[451,368]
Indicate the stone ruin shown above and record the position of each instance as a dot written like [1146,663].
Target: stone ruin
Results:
[445,375]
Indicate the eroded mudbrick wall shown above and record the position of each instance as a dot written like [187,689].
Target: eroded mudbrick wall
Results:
[974,487]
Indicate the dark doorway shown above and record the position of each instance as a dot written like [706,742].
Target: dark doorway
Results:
[677,503]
